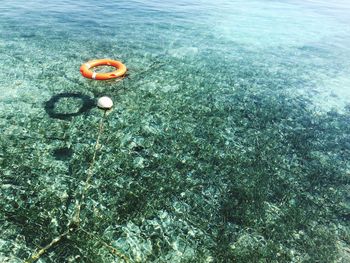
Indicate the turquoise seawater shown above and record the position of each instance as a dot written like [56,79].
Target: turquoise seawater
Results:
[229,139]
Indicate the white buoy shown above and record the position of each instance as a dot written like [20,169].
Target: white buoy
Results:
[105,103]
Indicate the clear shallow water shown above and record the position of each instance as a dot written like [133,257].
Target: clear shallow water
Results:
[226,106]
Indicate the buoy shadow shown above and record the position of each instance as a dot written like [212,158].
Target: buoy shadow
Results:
[50,106]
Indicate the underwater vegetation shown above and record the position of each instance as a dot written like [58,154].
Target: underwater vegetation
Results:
[215,150]
[229,167]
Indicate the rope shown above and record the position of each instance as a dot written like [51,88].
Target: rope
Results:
[76,215]
[54,241]
[75,220]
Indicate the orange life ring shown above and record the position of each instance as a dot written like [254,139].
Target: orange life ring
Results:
[86,71]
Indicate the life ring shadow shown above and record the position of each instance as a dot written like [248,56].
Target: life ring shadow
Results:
[87,104]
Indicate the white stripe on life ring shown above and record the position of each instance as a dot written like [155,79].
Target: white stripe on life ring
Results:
[88,65]
[94,75]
